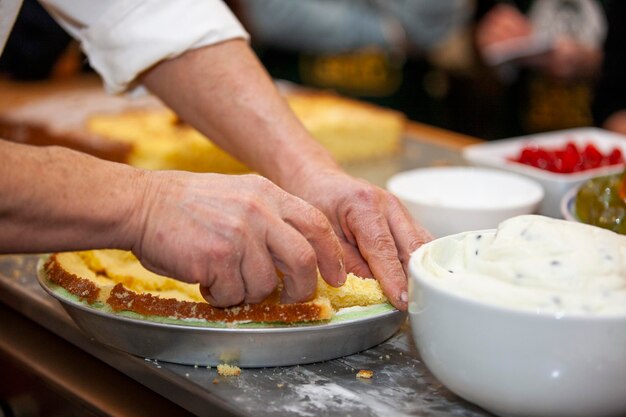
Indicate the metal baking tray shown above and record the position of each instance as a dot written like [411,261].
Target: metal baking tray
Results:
[244,347]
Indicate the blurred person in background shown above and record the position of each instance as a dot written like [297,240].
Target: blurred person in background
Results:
[228,233]
[561,38]
[542,58]
[372,50]
[609,105]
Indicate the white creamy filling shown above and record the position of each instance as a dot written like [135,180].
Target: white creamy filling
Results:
[534,263]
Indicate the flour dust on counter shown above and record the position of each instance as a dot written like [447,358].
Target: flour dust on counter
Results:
[400,387]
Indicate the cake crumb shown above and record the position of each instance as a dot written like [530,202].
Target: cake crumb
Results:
[365,374]
[228,370]
[216,381]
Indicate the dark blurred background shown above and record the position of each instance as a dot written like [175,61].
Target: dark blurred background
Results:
[427,58]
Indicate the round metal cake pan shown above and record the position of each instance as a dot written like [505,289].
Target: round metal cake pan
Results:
[244,347]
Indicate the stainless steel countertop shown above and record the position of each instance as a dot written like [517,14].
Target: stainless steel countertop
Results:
[401,385]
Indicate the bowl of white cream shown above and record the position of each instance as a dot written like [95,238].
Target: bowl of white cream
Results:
[528,319]
[449,200]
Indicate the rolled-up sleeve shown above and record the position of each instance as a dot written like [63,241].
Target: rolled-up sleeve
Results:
[124,38]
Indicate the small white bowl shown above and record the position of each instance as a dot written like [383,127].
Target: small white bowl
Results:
[448,200]
[495,154]
[515,362]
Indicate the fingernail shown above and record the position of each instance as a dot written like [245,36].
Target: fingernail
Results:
[285,298]
[344,276]
[404,297]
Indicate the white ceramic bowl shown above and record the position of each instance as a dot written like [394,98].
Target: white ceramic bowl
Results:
[518,363]
[448,200]
[495,153]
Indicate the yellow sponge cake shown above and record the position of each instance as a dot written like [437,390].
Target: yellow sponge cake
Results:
[349,129]
[143,132]
[159,141]
[115,279]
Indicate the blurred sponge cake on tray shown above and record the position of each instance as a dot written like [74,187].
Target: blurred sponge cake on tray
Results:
[144,133]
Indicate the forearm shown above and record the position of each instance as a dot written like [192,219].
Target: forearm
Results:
[58,199]
[223,91]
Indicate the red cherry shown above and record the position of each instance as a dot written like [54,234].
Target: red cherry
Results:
[567,158]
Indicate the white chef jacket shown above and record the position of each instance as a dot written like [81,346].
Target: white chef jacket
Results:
[124,38]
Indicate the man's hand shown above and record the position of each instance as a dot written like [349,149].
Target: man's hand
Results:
[376,231]
[502,23]
[223,92]
[230,233]
[571,59]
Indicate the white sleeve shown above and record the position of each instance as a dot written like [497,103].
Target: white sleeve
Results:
[8,14]
[123,38]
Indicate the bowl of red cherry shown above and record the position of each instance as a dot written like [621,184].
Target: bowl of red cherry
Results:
[560,161]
